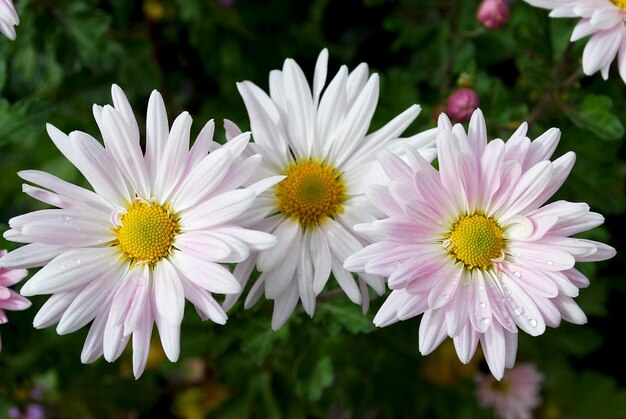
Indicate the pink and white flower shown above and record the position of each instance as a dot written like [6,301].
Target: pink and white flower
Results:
[8,19]
[471,246]
[319,141]
[153,234]
[516,396]
[9,299]
[604,21]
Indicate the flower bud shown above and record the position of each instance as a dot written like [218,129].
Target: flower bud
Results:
[493,14]
[461,105]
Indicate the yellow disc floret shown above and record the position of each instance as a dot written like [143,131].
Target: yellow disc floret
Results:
[312,192]
[475,240]
[620,3]
[147,232]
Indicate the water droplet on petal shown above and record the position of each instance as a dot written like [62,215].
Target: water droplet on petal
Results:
[483,304]
[518,310]
[550,263]
[517,274]
[532,323]
[485,321]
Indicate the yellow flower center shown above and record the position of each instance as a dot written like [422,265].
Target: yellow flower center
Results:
[475,240]
[147,232]
[620,3]
[312,192]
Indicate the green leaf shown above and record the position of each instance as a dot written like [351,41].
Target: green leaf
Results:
[349,316]
[321,378]
[595,116]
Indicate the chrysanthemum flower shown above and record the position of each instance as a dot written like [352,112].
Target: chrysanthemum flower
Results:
[8,19]
[604,21]
[471,246]
[515,396]
[151,235]
[9,299]
[319,142]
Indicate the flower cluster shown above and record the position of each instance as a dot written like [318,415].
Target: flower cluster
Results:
[469,245]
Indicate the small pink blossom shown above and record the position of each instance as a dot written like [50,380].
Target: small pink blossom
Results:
[493,14]
[9,299]
[461,104]
[515,396]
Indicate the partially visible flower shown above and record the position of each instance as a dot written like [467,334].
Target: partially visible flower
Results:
[471,246]
[515,396]
[320,143]
[155,232]
[32,411]
[9,299]
[604,21]
[493,14]
[461,104]
[8,19]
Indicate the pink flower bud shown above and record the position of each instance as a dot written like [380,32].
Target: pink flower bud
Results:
[461,105]
[493,14]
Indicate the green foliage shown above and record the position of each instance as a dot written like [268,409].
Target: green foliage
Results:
[69,52]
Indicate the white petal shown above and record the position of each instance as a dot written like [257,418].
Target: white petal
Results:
[207,275]
[346,282]
[86,305]
[204,178]
[71,269]
[172,162]
[157,131]
[52,310]
[494,348]
[432,330]
[168,293]
[125,149]
[217,210]
[31,256]
[141,342]
[284,306]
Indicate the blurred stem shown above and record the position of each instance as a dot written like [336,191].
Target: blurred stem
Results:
[549,99]
[329,295]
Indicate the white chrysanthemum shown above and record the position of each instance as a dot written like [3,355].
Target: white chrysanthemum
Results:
[473,248]
[320,143]
[8,19]
[604,21]
[153,233]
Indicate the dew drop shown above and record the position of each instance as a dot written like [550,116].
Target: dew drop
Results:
[518,310]
[485,321]
[445,296]
[517,274]
[66,219]
[483,304]
[532,322]
[550,263]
